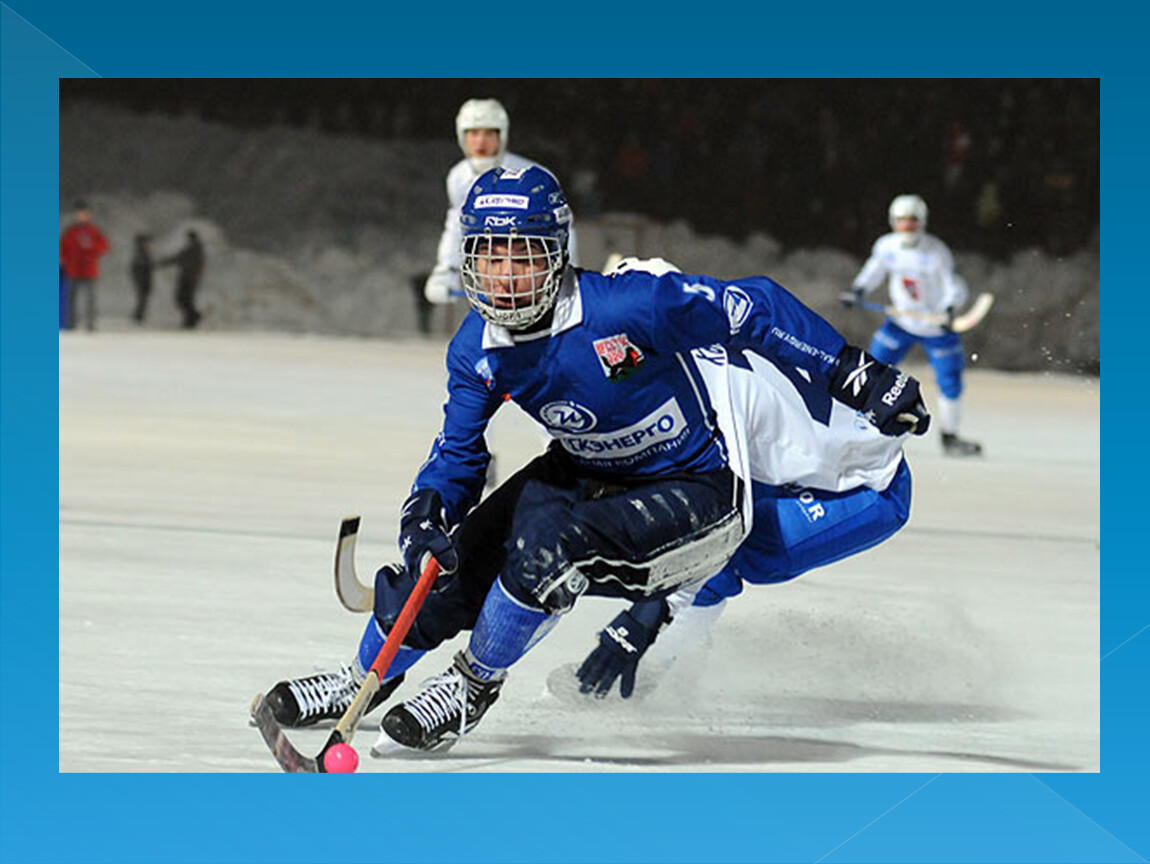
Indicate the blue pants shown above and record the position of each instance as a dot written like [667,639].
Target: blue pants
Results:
[891,342]
[797,530]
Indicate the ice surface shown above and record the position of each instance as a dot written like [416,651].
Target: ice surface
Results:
[203,477]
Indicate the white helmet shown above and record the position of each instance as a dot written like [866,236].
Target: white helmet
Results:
[908,207]
[483,114]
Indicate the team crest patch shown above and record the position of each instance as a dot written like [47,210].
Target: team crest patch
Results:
[619,358]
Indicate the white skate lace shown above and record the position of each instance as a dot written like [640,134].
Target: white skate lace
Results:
[445,694]
[317,694]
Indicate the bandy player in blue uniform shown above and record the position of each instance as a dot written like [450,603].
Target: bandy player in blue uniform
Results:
[645,489]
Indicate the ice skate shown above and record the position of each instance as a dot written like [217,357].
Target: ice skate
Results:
[324,696]
[449,706]
[952,445]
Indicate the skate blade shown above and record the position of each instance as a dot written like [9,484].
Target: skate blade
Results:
[387,747]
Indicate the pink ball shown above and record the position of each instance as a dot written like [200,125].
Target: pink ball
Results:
[340,759]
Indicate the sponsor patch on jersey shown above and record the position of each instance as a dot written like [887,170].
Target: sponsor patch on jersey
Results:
[567,417]
[618,358]
[738,305]
[513,202]
[661,431]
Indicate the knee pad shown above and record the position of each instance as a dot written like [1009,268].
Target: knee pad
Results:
[540,570]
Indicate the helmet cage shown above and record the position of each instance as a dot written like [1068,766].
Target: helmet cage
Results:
[511,279]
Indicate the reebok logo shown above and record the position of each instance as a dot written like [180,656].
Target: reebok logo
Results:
[857,378]
[891,395]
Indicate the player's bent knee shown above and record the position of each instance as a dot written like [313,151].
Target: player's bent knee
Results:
[540,569]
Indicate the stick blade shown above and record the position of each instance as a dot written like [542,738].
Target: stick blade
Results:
[974,315]
[285,753]
[353,594]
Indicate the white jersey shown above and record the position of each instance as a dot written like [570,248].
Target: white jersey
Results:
[919,278]
[443,285]
[791,431]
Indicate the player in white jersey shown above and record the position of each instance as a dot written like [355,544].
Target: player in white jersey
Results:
[918,270]
[482,128]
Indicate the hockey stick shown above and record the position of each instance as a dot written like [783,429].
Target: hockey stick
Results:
[966,321]
[353,594]
[288,757]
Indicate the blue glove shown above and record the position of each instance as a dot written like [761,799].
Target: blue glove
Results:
[621,644]
[887,396]
[423,531]
[850,296]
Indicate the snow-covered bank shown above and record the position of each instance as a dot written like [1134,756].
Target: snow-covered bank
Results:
[309,232]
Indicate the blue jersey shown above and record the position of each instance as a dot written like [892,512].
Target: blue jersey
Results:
[611,378]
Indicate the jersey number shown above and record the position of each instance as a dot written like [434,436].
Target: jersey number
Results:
[699,288]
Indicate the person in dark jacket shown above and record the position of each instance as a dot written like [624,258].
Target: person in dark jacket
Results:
[189,263]
[141,270]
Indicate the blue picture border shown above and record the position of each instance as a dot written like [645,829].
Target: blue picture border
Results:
[50,817]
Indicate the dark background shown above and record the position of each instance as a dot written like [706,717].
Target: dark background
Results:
[1005,164]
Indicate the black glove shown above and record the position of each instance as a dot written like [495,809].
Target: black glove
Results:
[949,325]
[621,644]
[887,396]
[423,531]
[851,296]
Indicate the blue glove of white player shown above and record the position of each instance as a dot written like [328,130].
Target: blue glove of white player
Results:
[422,531]
[621,644]
[850,296]
[887,396]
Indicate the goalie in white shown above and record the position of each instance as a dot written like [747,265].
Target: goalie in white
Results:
[918,269]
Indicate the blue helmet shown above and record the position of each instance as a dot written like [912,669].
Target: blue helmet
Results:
[515,228]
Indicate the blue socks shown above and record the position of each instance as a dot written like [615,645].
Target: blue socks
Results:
[369,645]
[506,630]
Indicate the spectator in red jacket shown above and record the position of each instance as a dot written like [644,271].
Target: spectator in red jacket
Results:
[81,246]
